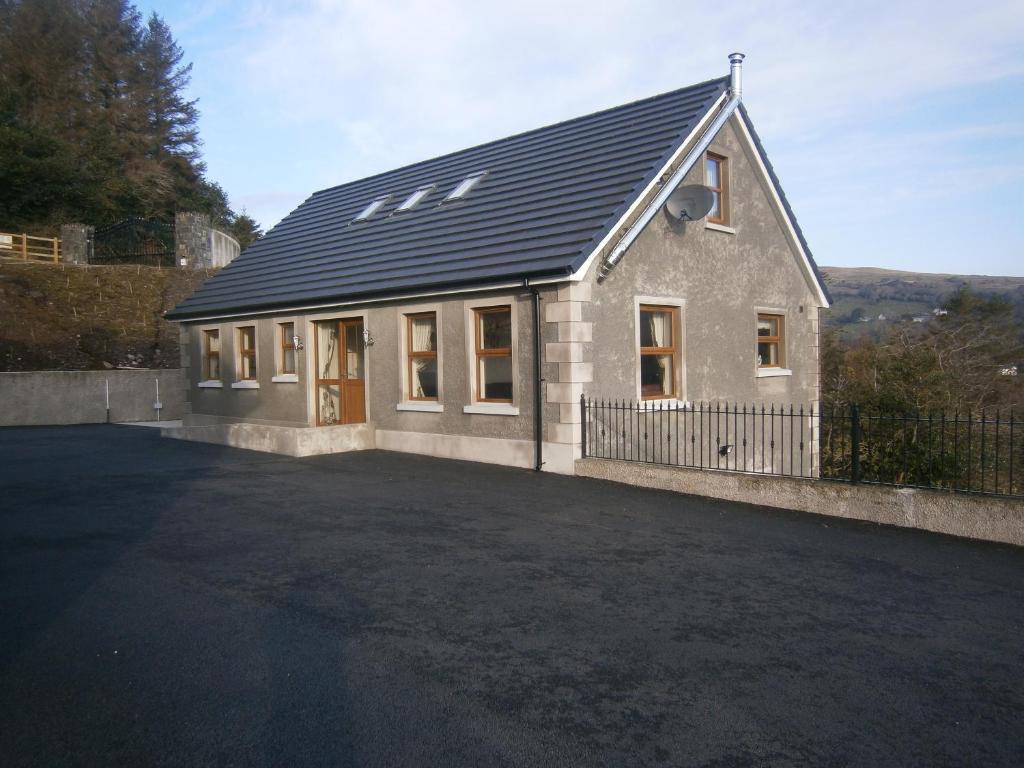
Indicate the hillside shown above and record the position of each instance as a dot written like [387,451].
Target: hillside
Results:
[861,294]
[69,317]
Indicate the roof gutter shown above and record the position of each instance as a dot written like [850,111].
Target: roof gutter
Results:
[735,96]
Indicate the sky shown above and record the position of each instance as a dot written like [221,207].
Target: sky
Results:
[896,128]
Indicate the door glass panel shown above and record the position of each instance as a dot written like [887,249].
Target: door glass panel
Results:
[327,350]
[495,378]
[354,351]
[329,403]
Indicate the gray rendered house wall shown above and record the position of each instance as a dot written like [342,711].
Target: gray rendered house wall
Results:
[722,279]
[588,337]
[277,403]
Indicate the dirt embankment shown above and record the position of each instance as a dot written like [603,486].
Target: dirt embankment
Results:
[70,317]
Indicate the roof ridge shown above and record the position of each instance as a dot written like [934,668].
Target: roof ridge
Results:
[546,127]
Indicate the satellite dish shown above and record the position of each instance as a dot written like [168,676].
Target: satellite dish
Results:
[690,202]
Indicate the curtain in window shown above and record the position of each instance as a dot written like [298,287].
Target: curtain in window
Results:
[421,342]
[658,327]
[423,369]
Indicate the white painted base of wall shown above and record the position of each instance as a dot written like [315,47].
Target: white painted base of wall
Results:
[489,450]
[290,441]
[975,517]
[311,441]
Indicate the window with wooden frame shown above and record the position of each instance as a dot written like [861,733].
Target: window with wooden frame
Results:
[286,363]
[211,355]
[771,330]
[716,174]
[659,350]
[421,356]
[247,353]
[493,344]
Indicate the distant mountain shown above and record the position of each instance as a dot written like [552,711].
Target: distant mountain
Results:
[870,300]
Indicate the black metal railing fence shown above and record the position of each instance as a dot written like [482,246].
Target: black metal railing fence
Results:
[969,452]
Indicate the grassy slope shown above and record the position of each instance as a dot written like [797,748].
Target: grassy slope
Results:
[67,317]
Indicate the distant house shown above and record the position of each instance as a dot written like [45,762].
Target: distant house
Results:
[461,306]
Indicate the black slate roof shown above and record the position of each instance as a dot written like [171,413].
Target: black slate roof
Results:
[549,197]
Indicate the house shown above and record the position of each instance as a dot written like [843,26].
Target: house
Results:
[461,306]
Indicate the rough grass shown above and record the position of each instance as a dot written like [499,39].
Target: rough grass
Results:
[71,317]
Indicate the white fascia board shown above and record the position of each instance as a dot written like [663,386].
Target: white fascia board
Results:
[805,262]
[345,305]
[305,309]
[684,146]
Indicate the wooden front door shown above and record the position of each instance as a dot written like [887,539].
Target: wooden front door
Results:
[340,372]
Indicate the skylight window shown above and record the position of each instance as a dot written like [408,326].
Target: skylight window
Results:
[372,208]
[413,200]
[465,186]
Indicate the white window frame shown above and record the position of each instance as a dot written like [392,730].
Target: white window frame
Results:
[680,367]
[371,208]
[416,198]
[464,187]
[769,373]
[404,401]
[469,318]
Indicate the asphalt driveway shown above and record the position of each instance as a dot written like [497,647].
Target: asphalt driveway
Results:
[167,603]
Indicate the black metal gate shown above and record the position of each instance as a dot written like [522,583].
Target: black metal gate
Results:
[134,241]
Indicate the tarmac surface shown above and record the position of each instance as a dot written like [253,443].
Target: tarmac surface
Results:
[177,604]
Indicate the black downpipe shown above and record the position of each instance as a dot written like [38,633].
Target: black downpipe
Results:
[538,380]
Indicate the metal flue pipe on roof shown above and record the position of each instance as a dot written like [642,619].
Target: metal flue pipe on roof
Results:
[736,74]
[735,92]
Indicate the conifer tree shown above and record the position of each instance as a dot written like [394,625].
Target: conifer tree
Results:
[95,123]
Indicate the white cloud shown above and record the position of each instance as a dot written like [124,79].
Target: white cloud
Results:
[364,86]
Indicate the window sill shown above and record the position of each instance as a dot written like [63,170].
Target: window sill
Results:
[211,384]
[765,373]
[425,407]
[492,409]
[286,378]
[719,227]
[245,384]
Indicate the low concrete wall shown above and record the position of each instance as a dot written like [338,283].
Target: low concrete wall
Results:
[290,441]
[975,517]
[37,398]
